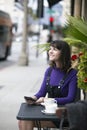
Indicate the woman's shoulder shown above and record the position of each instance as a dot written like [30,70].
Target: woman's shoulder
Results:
[48,69]
[72,74]
[73,71]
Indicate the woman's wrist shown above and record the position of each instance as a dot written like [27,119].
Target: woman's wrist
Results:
[34,97]
[42,99]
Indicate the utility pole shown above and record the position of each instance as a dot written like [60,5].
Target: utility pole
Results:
[23,59]
[39,15]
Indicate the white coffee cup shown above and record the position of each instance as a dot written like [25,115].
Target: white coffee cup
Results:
[49,101]
[50,105]
[50,108]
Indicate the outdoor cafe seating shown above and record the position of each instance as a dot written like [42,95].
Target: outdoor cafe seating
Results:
[34,113]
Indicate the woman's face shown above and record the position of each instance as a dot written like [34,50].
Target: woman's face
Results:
[54,54]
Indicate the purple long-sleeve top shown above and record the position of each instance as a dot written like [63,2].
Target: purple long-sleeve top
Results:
[68,90]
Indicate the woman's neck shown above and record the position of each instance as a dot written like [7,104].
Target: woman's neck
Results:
[58,65]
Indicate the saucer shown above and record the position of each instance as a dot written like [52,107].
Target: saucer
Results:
[48,113]
[43,104]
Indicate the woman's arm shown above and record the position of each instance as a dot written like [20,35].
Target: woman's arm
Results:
[72,89]
[43,90]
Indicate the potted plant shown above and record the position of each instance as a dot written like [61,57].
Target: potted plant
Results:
[76,35]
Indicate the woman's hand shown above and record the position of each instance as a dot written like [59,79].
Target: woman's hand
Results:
[40,100]
[30,100]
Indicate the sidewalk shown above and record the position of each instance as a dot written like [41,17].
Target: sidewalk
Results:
[17,81]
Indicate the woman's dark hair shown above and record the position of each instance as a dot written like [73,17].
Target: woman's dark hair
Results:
[65,58]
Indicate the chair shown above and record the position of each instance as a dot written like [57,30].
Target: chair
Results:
[78,95]
[62,113]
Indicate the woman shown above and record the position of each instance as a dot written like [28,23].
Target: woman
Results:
[60,64]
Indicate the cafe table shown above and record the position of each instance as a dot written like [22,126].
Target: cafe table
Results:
[34,113]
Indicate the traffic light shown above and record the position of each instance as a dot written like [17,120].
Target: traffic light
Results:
[51,19]
[40,9]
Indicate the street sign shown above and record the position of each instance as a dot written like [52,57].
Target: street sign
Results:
[50,11]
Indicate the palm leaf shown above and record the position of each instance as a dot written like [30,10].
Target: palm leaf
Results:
[77,28]
[79,24]
[42,47]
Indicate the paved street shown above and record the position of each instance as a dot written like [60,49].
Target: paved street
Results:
[17,81]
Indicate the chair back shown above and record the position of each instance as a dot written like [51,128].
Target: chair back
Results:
[78,95]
